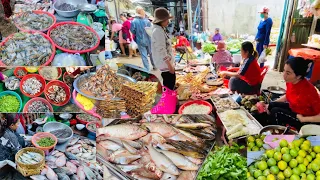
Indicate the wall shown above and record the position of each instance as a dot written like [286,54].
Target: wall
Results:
[241,16]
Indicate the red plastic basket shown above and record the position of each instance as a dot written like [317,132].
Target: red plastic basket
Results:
[61,84]
[39,12]
[33,32]
[25,108]
[195,102]
[39,78]
[76,24]
[95,122]
[15,72]
[35,138]
[59,73]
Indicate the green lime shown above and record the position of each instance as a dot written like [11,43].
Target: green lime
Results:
[294,177]
[294,153]
[286,157]
[293,163]
[257,173]
[277,156]
[287,172]
[282,165]
[270,153]
[296,171]
[271,162]
[285,150]
[311,177]
[274,170]
[283,143]
[262,165]
[302,168]
[300,159]
[266,172]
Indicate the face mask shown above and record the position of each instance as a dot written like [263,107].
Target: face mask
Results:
[262,16]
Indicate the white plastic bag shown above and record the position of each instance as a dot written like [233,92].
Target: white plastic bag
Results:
[133,45]
[263,57]
[65,59]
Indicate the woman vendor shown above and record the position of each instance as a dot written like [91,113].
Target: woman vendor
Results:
[301,103]
[247,78]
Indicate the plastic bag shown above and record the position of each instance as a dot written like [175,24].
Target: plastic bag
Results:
[65,59]
[263,57]
[133,45]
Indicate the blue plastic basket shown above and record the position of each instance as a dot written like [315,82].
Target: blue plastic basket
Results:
[315,140]
[13,94]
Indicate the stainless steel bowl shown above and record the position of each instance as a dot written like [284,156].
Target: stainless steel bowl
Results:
[68,14]
[277,127]
[51,126]
[276,90]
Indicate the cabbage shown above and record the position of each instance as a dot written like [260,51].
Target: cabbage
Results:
[208,48]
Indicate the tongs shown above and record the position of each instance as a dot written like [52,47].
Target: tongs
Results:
[286,130]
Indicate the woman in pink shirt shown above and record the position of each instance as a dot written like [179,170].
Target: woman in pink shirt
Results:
[223,57]
[126,34]
[116,29]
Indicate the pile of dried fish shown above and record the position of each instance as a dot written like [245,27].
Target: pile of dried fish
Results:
[57,94]
[25,49]
[66,7]
[139,96]
[102,84]
[73,37]
[81,149]
[32,21]
[12,83]
[38,106]
[21,73]
[64,166]
[224,104]
[30,158]
[158,147]
[32,86]
[61,133]
[111,108]
[87,117]
[50,73]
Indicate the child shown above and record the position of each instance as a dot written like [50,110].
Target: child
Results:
[223,57]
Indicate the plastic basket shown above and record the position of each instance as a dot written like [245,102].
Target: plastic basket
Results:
[93,133]
[35,138]
[13,94]
[200,102]
[33,32]
[39,78]
[39,12]
[59,73]
[15,72]
[76,24]
[61,84]
[25,109]
[83,121]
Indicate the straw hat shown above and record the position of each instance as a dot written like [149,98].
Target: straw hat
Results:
[160,15]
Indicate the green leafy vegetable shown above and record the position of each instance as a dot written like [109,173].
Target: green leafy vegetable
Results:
[234,45]
[9,103]
[224,164]
[46,142]
[208,48]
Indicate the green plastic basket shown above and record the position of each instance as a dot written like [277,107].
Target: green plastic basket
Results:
[13,94]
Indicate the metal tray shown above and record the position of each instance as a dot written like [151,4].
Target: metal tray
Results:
[225,96]
[80,79]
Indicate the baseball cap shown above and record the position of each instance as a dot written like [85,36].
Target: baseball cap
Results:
[264,10]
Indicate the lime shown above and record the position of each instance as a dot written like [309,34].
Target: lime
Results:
[302,168]
[277,156]
[283,143]
[293,152]
[285,150]
[257,173]
[250,178]
[315,167]
[297,143]
[282,165]
[259,143]
[262,178]
[262,165]
[296,171]
[255,148]
[300,159]
[286,157]
[305,162]
[251,139]
[311,177]
[271,177]
[318,173]
[251,145]
[270,153]
[317,161]
[274,170]
[313,155]
[294,177]
[309,158]
[302,153]
[318,178]
[305,147]
[262,137]
[316,149]
[293,163]
[309,171]
[318,155]
[278,149]
[271,162]
[287,172]
[281,176]
[303,175]
[307,142]
[256,164]
[266,172]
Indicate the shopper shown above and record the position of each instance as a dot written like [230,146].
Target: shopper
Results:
[222,57]
[6,8]
[126,34]
[301,102]
[164,61]
[217,36]
[117,35]
[264,29]
[247,79]
[138,26]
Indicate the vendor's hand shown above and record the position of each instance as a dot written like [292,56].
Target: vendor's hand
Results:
[301,118]
[222,74]
[265,46]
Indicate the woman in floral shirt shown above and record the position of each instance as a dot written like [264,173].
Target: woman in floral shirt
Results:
[223,57]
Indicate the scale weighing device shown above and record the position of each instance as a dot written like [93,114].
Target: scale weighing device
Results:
[84,17]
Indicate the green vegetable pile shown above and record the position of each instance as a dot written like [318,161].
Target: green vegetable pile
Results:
[46,142]
[224,164]
[209,48]
[9,103]
[234,45]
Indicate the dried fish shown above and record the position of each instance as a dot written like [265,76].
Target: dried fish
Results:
[32,86]
[38,106]
[12,83]
[21,73]
[56,94]
[30,158]
[33,21]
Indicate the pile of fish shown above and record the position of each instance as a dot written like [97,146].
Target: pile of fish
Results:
[21,73]
[73,37]
[30,158]
[158,147]
[25,49]
[66,7]
[92,127]
[12,83]
[81,149]
[61,133]
[38,106]
[87,117]
[64,166]
[56,93]
[32,86]
[32,21]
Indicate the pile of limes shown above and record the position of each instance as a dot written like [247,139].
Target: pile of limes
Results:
[293,161]
[255,143]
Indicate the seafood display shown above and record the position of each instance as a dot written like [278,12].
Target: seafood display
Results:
[21,72]
[73,37]
[111,108]
[159,146]
[139,96]
[66,7]
[92,127]
[25,49]
[46,142]
[81,149]
[224,104]
[38,106]
[12,83]
[9,103]
[49,73]
[30,158]
[57,94]
[87,117]
[196,109]
[61,133]
[33,21]
[32,86]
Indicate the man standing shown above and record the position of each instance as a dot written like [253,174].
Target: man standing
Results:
[138,26]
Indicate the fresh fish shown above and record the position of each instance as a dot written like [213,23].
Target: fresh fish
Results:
[80,173]
[51,164]
[180,137]
[51,175]
[71,148]
[167,176]
[88,172]
[73,141]
[162,162]
[190,136]
[146,173]
[124,159]
[71,156]
[153,137]
[165,130]
[61,161]
[51,158]
[195,160]
[165,146]
[137,176]
[109,145]
[122,131]
[180,161]
[134,144]
[188,153]
[88,156]
[62,176]
[38,177]
[176,119]
[193,125]
[200,133]
[187,175]
[128,168]
[74,177]
[72,167]
[44,171]
[131,149]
